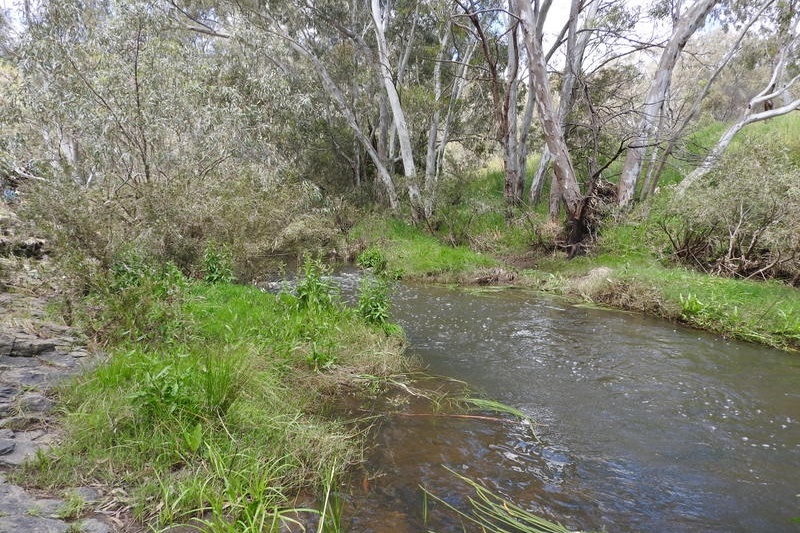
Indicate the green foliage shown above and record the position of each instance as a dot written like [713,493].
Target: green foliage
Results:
[217,264]
[373,301]
[491,511]
[314,290]
[372,258]
[321,356]
[222,413]
[412,253]
[742,221]
[137,301]
[73,506]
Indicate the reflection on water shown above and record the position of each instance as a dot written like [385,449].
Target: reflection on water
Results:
[644,426]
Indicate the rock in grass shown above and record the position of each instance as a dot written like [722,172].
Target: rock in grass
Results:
[7,446]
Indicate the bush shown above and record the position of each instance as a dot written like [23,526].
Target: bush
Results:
[181,221]
[742,221]
[137,301]
[217,264]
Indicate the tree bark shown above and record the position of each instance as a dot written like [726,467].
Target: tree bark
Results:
[431,159]
[654,173]
[554,136]
[512,182]
[576,48]
[770,93]
[656,96]
[403,134]
[713,157]
[339,97]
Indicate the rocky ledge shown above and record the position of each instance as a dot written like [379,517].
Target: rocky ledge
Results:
[33,359]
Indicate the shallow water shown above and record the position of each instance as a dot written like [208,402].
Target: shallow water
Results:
[643,425]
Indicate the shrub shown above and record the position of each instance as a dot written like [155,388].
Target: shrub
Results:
[373,258]
[137,301]
[183,220]
[742,221]
[373,300]
[314,290]
[217,264]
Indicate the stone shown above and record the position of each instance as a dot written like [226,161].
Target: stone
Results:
[6,434]
[5,410]
[25,345]
[31,524]
[6,343]
[8,393]
[34,402]
[49,507]
[7,362]
[7,446]
[59,359]
[87,494]
[93,525]
[21,422]
[30,377]
[30,347]
[23,450]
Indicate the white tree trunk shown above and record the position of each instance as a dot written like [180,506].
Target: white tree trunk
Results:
[513,179]
[455,94]
[554,136]
[713,157]
[338,97]
[403,134]
[576,49]
[654,172]
[656,96]
[770,92]
[431,172]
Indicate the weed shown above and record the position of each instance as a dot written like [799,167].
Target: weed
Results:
[691,306]
[320,357]
[491,511]
[314,289]
[193,437]
[217,264]
[374,259]
[73,506]
[373,301]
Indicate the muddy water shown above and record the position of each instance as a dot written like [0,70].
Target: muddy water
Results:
[644,425]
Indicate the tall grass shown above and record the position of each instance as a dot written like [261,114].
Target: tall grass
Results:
[412,253]
[490,511]
[218,417]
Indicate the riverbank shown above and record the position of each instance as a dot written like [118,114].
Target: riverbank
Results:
[209,407]
[620,272]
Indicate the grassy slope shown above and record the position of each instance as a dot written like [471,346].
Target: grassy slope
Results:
[219,412]
[628,268]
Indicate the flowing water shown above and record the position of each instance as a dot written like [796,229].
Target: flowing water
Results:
[642,425]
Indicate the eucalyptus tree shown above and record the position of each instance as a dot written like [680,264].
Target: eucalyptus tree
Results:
[496,33]
[730,61]
[398,50]
[576,44]
[685,24]
[530,18]
[141,128]
[781,87]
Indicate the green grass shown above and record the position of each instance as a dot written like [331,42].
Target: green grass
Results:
[223,419]
[414,254]
[642,279]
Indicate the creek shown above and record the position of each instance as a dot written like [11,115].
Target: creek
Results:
[642,425]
